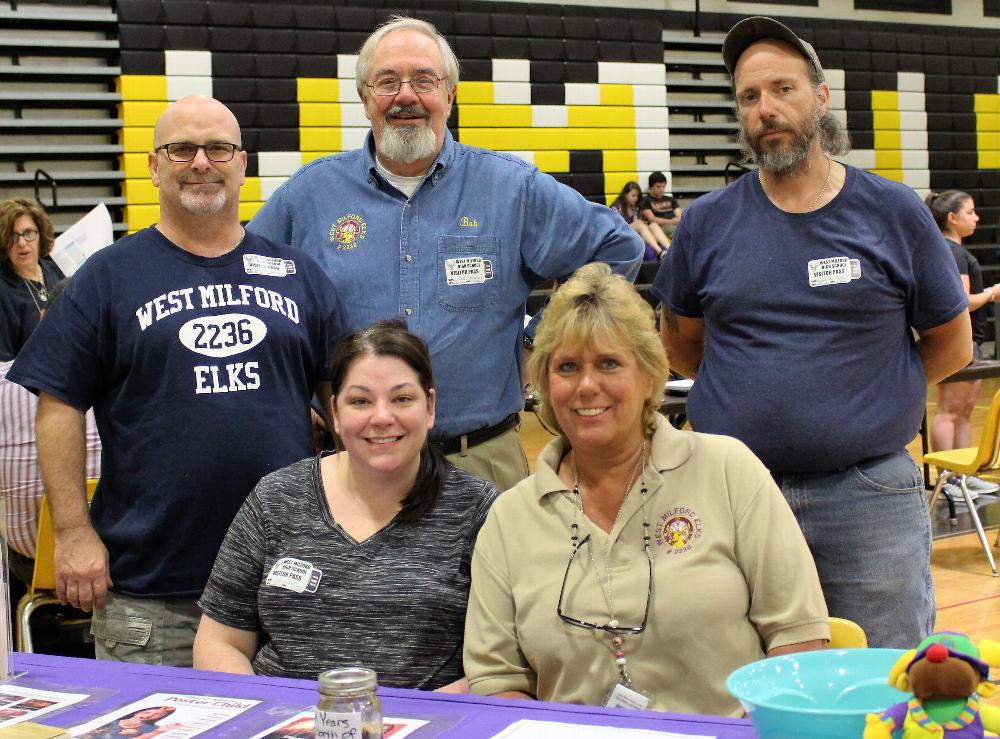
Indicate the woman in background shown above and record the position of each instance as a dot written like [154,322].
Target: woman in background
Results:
[955,214]
[627,206]
[26,273]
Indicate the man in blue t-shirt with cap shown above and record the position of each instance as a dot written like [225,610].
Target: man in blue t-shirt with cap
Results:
[793,295]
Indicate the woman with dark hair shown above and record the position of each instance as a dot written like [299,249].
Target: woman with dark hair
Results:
[357,557]
[627,206]
[26,272]
[955,214]
[141,724]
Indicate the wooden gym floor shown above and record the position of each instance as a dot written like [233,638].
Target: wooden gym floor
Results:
[968,596]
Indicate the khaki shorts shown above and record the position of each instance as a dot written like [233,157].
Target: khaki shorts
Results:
[146,630]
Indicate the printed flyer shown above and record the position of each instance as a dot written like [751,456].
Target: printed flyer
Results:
[27,704]
[167,715]
[300,726]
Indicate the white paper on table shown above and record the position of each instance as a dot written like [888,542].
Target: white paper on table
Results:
[91,233]
[528,729]
[302,726]
[190,715]
[679,386]
[27,704]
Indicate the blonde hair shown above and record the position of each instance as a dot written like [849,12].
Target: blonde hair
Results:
[593,306]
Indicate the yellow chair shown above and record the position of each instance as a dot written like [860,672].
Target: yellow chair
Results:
[41,592]
[845,634]
[981,460]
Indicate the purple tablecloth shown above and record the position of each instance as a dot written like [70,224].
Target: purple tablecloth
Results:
[113,685]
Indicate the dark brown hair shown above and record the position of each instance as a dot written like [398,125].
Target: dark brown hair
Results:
[945,202]
[392,338]
[10,211]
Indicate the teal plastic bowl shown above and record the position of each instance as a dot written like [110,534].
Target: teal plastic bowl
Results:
[816,695]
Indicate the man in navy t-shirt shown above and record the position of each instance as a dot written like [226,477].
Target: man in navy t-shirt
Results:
[199,347]
[791,294]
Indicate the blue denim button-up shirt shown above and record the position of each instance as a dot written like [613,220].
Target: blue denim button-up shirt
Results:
[456,260]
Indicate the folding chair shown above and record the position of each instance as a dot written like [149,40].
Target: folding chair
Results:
[41,592]
[971,461]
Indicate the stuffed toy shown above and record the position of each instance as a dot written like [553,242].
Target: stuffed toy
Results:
[948,675]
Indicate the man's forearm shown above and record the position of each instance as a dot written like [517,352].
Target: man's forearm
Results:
[683,353]
[61,432]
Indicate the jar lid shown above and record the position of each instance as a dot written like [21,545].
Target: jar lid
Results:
[348,681]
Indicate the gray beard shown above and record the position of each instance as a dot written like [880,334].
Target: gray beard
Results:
[407,144]
[203,204]
[790,159]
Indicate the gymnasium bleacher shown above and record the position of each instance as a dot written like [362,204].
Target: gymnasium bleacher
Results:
[594,95]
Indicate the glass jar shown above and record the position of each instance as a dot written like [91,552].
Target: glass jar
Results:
[348,706]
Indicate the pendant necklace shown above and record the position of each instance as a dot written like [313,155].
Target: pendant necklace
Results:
[617,641]
[43,294]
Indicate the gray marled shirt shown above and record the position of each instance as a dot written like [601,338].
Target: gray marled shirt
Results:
[395,602]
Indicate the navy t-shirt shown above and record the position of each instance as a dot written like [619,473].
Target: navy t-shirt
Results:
[200,372]
[809,357]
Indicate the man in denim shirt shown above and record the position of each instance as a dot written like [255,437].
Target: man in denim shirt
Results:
[449,237]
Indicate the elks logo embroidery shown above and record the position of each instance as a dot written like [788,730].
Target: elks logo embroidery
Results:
[348,230]
[678,530]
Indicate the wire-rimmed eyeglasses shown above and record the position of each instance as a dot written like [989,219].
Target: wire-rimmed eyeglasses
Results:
[606,627]
[420,84]
[182,151]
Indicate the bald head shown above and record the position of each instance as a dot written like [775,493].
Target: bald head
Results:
[204,112]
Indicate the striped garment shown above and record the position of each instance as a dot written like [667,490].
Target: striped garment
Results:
[20,480]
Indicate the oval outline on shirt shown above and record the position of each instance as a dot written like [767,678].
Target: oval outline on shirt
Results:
[224,335]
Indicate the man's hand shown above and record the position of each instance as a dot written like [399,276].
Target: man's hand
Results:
[82,576]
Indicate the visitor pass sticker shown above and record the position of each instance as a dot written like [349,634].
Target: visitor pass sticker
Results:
[293,574]
[833,271]
[468,270]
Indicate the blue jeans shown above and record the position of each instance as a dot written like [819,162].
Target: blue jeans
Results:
[870,534]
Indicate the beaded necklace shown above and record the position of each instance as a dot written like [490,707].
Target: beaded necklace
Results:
[617,641]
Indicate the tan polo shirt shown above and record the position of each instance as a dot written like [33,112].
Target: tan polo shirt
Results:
[732,578]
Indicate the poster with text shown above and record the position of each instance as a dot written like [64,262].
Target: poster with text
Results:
[27,704]
[166,715]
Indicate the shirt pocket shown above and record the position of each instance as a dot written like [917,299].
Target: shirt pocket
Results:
[467,268]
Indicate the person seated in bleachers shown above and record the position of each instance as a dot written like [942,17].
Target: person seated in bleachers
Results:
[362,556]
[26,273]
[955,214]
[640,564]
[627,206]
[659,210]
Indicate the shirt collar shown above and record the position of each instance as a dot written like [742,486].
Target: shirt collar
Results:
[443,161]
[669,450]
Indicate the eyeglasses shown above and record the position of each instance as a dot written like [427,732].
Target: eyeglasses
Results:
[184,152]
[606,627]
[28,234]
[391,85]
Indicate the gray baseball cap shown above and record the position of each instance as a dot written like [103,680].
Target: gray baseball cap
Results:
[751,30]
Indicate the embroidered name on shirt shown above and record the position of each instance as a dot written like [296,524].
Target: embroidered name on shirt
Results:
[468,270]
[293,574]
[348,230]
[467,222]
[833,271]
[256,264]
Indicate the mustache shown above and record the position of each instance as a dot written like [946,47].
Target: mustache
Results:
[406,110]
[194,179]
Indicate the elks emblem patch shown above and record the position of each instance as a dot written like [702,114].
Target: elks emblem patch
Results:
[678,530]
[348,230]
